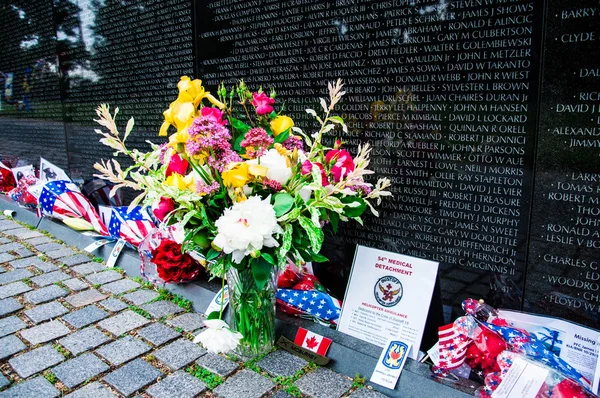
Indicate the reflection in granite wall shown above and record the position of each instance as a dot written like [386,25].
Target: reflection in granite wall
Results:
[29,84]
[132,57]
[563,274]
[446,94]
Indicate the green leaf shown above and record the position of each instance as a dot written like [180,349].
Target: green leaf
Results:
[354,206]
[273,115]
[261,271]
[334,219]
[315,235]
[318,258]
[212,254]
[282,203]
[286,244]
[213,315]
[268,257]
[238,125]
[237,145]
[282,136]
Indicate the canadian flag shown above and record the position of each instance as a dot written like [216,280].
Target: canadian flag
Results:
[312,341]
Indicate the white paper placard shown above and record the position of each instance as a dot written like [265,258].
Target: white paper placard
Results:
[390,363]
[523,380]
[388,296]
[221,297]
[23,171]
[51,172]
[596,381]
[115,253]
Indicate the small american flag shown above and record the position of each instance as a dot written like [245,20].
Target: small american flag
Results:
[132,226]
[62,199]
[453,347]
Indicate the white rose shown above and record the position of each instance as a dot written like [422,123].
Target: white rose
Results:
[276,164]
[218,337]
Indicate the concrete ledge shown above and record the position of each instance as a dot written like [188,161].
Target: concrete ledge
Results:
[348,355]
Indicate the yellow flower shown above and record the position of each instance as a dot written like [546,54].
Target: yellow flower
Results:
[257,170]
[236,175]
[180,182]
[281,124]
[184,109]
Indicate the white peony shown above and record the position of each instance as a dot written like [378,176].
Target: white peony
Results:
[276,164]
[218,337]
[247,226]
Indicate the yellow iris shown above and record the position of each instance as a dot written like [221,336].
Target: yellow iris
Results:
[184,109]
[180,182]
[236,175]
[281,124]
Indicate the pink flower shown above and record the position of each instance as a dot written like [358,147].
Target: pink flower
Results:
[165,206]
[341,163]
[262,103]
[177,165]
[272,184]
[256,141]
[293,142]
[307,167]
[215,114]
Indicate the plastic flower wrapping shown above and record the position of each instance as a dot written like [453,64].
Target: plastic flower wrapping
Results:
[248,187]
[485,343]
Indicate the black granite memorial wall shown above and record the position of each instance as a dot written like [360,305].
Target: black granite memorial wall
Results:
[483,113]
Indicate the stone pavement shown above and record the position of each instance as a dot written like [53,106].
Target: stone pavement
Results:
[71,327]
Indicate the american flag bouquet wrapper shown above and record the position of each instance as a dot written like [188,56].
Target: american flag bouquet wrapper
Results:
[301,294]
[484,342]
[7,180]
[22,194]
[63,200]
[163,260]
[130,225]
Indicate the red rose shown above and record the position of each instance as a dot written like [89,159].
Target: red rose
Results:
[165,206]
[307,167]
[341,163]
[177,165]
[262,103]
[213,113]
[172,265]
[568,389]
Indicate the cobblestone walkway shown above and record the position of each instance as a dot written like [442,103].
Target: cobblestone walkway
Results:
[71,327]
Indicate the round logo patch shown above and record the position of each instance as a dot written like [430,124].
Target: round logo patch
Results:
[388,291]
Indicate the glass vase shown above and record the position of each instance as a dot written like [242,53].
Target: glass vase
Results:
[252,311]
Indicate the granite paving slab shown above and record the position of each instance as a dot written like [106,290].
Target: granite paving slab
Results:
[77,370]
[27,234]
[74,260]
[142,296]
[12,289]
[247,384]
[45,332]
[85,298]
[57,254]
[85,316]
[123,350]
[4,240]
[123,322]
[93,390]
[13,276]
[133,376]
[324,383]
[281,394]
[46,267]
[35,361]
[44,294]
[5,257]
[23,252]
[113,304]
[103,277]
[46,311]
[39,241]
[49,247]
[217,364]
[120,286]
[158,309]
[75,284]
[3,381]
[83,340]
[366,393]
[190,321]
[37,387]
[26,262]
[8,306]
[88,268]
[281,363]
[10,325]
[10,345]
[15,231]
[10,247]
[179,353]
[158,334]
[50,278]
[179,384]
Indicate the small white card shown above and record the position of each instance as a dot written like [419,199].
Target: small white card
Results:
[596,382]
[434,354]
[96,245]
[390,363]
[51,172]
[215,304]
[115,253]
[523,380]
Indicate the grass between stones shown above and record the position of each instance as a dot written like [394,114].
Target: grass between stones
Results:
[140,311]
[358,382]
[210,379]
[51,377]
[65,353]
[145,284]
[287,384]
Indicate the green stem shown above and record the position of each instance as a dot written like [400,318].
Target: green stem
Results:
[222,296]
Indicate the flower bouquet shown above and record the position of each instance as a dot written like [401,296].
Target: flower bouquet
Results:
[250,190]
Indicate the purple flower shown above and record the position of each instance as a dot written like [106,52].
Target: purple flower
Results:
[256,141]
[293,142]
